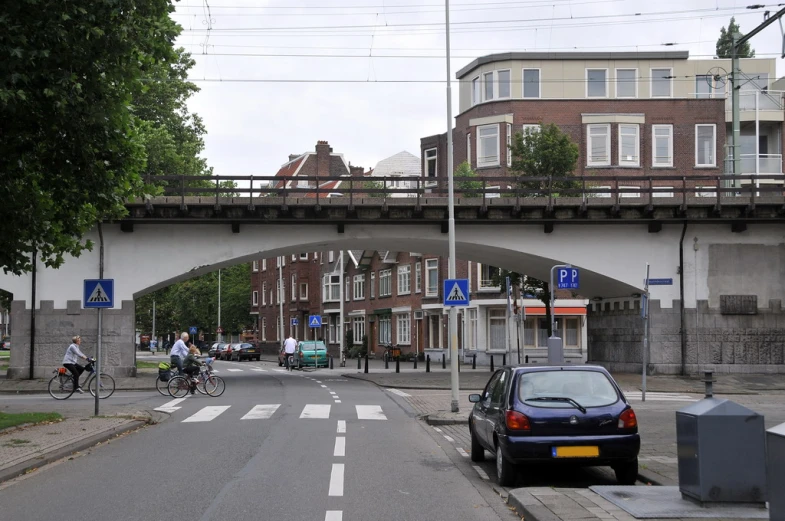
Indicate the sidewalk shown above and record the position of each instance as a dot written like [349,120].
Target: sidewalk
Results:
[23,449]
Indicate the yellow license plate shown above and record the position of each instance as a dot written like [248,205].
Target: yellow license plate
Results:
[576,452]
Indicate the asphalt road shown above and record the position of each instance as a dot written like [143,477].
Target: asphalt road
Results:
[301,446]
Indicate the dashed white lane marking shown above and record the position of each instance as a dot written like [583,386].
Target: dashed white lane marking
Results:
[340,447]
[337,401]
[317,381]
[481,472]
[207,414]
[334,515]
[261,412]
[258,370]
[336,480]
[370,412]
[437,429]
[399,393]
[235,370]
[170,406]
[332,392]
[326,386]
[341,426]
[462,452]
[312,410]
[449,438]
[280,370]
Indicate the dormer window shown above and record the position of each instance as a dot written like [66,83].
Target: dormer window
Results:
[430,163]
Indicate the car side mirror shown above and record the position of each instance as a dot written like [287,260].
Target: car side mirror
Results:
[475,398]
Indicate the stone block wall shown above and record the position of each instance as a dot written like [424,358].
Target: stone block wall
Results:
[722,343]
[54,329]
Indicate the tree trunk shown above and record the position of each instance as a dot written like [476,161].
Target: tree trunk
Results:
[546,299]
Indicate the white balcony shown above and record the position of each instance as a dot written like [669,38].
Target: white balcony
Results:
[767,104]
[761,164]
[487,285]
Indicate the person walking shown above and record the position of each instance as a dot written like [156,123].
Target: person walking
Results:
[289,347]
[179,352]
[72,354]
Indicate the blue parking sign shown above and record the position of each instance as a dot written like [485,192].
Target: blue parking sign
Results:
[567,278]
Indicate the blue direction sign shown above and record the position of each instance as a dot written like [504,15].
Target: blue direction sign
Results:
[567,278]
[456,292]
[98,293]
[314,321]
[295,321]
[659,282]
[192,330]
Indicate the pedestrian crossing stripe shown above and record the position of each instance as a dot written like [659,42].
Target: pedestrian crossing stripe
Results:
[98,294]
[267,411]
[456,295]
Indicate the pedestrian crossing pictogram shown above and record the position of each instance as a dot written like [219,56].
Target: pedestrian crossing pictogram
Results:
[456,294]
[98,295]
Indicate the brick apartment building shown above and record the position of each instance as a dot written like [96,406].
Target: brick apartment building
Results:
[632,114]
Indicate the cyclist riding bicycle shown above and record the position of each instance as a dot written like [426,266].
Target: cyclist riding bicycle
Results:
[192,365]
[70,361]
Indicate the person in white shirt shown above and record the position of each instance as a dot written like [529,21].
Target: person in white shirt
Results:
[179,352]
[289,347]
[72,354]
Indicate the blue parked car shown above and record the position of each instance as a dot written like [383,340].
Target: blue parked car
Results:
[560,415]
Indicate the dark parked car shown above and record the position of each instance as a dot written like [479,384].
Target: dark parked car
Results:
[555,415]
[215,349]
[226,352]
[246,351]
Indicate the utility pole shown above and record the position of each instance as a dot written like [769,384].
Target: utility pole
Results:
[153,332]
[220,335]
[340,307]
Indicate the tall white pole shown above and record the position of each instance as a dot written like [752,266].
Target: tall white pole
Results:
[153,332]
[280,299]
[451,224]
[220,335]
[645,349]
[341,311]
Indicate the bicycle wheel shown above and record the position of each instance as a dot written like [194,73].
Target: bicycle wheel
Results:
[214,386]
[61,387]
[178,387]
[200,383]
[106,385]
[161,386]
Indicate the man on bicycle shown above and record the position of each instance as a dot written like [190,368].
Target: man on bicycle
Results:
[69,361]
[179,352]
[289,347]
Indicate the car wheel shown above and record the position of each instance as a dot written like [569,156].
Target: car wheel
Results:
[478,453]
[626,472]
[505,470]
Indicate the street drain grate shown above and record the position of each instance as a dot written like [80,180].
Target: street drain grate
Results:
[667,503]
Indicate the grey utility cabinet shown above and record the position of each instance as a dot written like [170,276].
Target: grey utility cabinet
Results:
[775,464]
[721,452]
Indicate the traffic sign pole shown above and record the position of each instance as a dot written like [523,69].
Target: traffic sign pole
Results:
[645,350]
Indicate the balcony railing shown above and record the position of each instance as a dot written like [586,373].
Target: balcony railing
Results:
[761,163]
[767,100]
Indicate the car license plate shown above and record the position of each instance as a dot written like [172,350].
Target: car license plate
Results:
[576,452]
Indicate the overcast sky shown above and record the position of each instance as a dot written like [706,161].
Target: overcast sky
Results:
[284,92]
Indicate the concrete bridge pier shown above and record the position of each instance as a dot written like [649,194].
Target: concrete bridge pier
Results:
[54,329]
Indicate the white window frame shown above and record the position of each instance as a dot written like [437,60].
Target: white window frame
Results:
[255,265]
[497,83]
[531,127]
[264,293]
[669,162]
[418,277]
[636,161]
[403,329]
[577,322]
[484,77]
[651,82]
[435,160]
[635,82]
[358,329]
[589,141]
[385,283]
[431,265]
[255,299]
[602,195]
[605,96]
[509,144]
[470,333]
[264,264]
[331,256]
[294,257]
[469,148]
[662,191]
[404,279]
[523,83]
[303,291]
[625,195]
[476,87]
[263,327]
[714,145]
[304,256]
[481,159]
[347,293]
[294,287]
[711,191]
[385,329]
[359,287]
[372,288]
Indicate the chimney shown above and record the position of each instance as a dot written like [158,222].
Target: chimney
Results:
[356,171]
[323,151]
[292,157]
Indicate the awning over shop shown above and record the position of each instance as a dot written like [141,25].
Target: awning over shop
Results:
[382,311]
[540,311]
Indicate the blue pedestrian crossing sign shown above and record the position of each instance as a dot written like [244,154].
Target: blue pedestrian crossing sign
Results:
[192,330]
[315,321]
[98,293]
[456,292]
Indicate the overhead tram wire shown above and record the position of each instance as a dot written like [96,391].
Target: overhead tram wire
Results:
[502,5]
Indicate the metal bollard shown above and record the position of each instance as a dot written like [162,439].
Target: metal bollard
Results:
[428,364]
[359,363]
[386,365]
[491,363]
[709,381]
[474,361]
[331,363]
[504,359]
[397,365]
[444,362]
[526,359]
[415,361]
[366,362]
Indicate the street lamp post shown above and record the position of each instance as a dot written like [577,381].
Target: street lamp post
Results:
[451,225]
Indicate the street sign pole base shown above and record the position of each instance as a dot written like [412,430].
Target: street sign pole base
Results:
[555,351]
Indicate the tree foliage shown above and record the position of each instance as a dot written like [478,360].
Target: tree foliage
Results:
[466,183]
[194,302]
[725,42]
[529,286]
[546,152]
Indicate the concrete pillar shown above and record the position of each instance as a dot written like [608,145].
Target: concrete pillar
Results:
[56,327]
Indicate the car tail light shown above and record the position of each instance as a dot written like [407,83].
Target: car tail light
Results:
[628,420]
[516,421]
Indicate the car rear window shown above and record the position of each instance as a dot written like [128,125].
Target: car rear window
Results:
[310,345]
[588,388]
[246,346]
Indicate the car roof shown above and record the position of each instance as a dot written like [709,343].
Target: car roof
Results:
[566,367]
